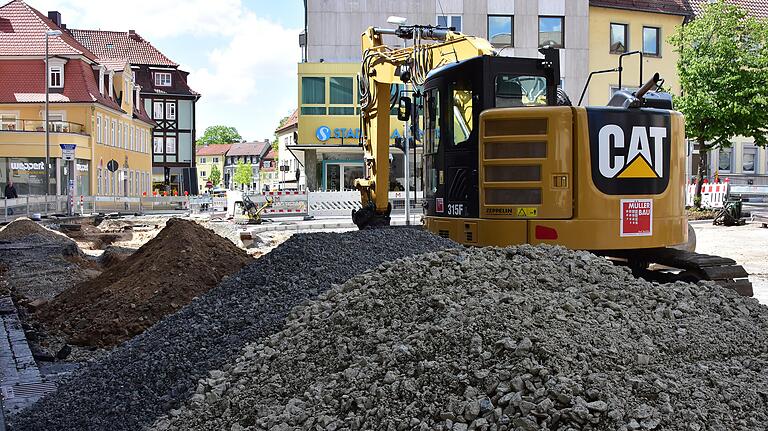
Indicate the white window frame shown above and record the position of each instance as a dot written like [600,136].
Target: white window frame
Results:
[750,148]
[98,129]
[449,18]
[98,181]
[162,79]
[155,141]
[113,141]
[170,143]
[158,110]
[53,70]
[202,174]
[170,111]
[125,136]
[202,160]
[133,144]
[717,160]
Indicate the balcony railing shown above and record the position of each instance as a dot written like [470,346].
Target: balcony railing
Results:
[38,126]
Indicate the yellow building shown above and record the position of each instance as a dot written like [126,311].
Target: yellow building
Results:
[329,127]
[92,105]
[208,157]
[619,27]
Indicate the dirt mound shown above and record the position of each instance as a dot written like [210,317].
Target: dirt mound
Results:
[181,262]
[26,230]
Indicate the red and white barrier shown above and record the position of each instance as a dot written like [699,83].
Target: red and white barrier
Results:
[712,195]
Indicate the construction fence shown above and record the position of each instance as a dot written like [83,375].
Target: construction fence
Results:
[288,203]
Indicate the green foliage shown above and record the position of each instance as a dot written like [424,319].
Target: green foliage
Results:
[219,135]
[723,70]
[215,176]
[243,173]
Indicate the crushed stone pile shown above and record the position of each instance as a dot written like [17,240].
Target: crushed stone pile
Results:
[522,338]
[40,263]
[158,370]
[183,261]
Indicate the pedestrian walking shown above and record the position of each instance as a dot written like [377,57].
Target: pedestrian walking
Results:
[10,191]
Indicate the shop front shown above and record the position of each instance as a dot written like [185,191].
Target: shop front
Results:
[27,175]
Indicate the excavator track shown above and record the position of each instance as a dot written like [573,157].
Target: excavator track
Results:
[692,267]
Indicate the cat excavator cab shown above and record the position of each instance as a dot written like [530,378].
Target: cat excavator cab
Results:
[507,159]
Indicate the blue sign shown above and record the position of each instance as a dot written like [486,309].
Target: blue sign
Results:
[68,147]
[323,133]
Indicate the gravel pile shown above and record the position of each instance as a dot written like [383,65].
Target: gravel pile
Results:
[183,261]
[24,230]
[158,370]
[522,338]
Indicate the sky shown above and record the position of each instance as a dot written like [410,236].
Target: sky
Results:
[241,55]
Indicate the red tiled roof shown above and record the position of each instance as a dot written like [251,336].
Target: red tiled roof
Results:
[293,121]
[122,45]
[673,7]
[24,81]
[756,8]
[22,33]
[213,150]
[248,149]
[270,155]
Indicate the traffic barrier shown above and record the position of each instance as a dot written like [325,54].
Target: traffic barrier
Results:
[712,195]
[284,203]
[337,204]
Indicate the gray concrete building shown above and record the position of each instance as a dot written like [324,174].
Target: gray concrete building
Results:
[515,27]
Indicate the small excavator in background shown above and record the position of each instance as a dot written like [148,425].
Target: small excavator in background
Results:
[508,160]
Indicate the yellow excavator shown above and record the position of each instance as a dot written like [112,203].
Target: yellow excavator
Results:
[507,159]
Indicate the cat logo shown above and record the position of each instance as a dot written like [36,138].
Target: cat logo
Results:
[629,150]
[640,161]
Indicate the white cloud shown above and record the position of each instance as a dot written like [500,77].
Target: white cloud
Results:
[153,19]
[254,73]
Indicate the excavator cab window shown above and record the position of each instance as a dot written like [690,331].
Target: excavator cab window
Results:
[431,139]
[462,113]
[514,91]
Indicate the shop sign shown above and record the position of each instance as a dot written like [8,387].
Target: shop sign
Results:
[28,166]
[82,167]
[324,133]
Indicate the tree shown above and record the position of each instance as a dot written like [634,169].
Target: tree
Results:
[215,176]
[243,173]
[723,70]
[219,135]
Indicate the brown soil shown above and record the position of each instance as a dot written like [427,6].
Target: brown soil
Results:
[23,229]
[183,261]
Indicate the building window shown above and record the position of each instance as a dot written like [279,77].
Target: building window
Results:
[98,129]
[202,174]
[170,145]
[651,41]
[133,145]
[56,76]
[453,21]
[162,79]
[7,121]
[724,159]
[501,30]
[202,160]
[157,110]
[619,38]
[157,145]
[313,93]
[170,111]
[98,181]
[749,160]
[114,127]
[215,160]
[341,94]
[105,136]
[551,31]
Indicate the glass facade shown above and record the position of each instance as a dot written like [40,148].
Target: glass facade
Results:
[27,174]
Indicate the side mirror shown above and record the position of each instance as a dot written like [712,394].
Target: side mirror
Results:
[404,109]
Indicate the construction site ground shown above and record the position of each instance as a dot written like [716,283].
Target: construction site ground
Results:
[107,245]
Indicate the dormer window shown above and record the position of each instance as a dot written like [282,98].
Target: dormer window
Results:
[56,76]
[162,79]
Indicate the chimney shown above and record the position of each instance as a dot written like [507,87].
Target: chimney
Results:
[132,34]
[55,16]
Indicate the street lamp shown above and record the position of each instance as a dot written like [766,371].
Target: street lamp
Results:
[49,33]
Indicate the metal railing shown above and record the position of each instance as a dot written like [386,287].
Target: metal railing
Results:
[39,126]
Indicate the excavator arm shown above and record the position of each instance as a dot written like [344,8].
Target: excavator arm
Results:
[382,67]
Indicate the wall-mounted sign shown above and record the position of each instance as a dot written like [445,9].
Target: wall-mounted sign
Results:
[112,165]
[68,151]
[28,166]
[81,167]
[324,133]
